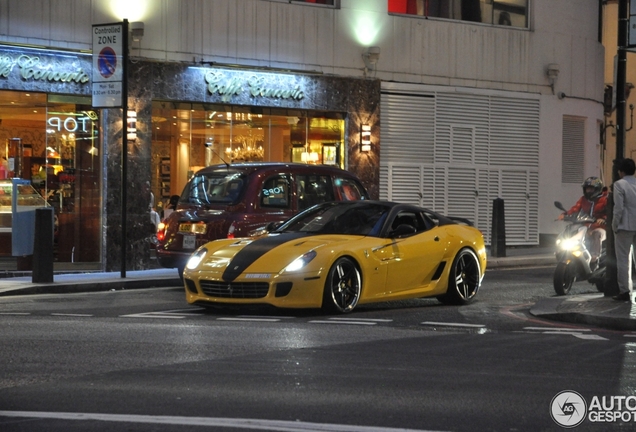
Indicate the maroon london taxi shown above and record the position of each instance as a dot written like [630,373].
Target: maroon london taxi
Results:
[226,201]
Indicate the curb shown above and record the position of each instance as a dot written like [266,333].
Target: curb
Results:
[83,287]
[520,261]
[580,310]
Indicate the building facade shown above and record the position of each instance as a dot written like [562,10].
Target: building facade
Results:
[457,102]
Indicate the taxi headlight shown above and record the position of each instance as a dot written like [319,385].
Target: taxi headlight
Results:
[196,258]
[301,261]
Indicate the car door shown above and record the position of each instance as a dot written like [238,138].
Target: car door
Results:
[412,259]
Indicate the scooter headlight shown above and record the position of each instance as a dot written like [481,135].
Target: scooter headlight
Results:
[573,242]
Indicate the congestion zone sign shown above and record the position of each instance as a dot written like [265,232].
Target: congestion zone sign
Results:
[108,65]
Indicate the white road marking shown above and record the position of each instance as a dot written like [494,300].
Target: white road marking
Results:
[71,315]
[170,314]
[15,313]
[347,322]
[154,315]
[255,424]
[577,333]
[378,320]
[249,319]
[564,329]
[444,324]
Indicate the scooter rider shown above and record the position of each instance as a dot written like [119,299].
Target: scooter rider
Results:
[593,203]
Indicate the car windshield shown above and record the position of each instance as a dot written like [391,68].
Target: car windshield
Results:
[357,218]
[219,187]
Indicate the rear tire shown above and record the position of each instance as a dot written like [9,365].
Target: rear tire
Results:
[464,279]
[564,277]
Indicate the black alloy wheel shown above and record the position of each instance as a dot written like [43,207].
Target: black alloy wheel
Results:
[343,286]
[464,279]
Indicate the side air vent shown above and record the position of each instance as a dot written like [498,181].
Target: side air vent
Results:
[440,269]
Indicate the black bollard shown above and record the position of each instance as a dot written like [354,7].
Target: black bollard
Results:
[498,231]
[43,246]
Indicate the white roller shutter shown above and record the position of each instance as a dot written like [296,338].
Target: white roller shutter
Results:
[409,121]
[456,152]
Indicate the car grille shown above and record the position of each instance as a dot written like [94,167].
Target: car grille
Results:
[234,289]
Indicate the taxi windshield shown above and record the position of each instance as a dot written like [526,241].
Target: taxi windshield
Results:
[214,188]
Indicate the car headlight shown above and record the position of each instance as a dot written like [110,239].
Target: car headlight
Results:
[301,261]
[196,258]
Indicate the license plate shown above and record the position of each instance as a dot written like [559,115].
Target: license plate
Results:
[198,228]
[189,241]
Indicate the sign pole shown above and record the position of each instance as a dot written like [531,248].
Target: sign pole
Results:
[110,90]
[124,151]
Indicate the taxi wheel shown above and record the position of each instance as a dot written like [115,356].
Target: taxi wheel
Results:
[343,286]
[464,279]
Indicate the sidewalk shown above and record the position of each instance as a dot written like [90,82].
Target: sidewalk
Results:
[593,309]
[90,282]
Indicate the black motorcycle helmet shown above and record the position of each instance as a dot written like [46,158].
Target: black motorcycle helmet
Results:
[596,186]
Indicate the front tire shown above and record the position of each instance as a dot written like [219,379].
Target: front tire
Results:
[464,279]
[564,277]
[343,286]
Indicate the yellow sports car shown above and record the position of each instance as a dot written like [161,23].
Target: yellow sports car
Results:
[337,255]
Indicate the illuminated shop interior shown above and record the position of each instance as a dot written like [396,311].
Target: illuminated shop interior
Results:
[52,140]
[187,137]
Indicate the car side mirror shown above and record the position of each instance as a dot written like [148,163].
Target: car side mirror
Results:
[264,229]
[402,231]
[272,226]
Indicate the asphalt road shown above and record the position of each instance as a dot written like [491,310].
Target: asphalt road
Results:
[144,360]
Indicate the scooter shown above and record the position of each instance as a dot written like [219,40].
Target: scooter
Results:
[574,257]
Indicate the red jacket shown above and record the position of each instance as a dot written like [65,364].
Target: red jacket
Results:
[597,208]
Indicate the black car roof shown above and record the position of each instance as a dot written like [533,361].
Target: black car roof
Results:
[392,206]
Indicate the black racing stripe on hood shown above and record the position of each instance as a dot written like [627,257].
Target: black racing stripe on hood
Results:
[253,251]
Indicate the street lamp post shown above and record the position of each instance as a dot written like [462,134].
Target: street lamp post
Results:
[611,282]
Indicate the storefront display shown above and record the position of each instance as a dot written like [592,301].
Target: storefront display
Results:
[194,136]
[52,141]
[26,199]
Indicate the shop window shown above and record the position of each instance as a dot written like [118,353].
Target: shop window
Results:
[53,141]
[512,13]
[275,192]
[187,137]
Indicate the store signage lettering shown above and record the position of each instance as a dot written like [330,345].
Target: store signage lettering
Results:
[6,65]
[30,68]
[256,86]
[71,124]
